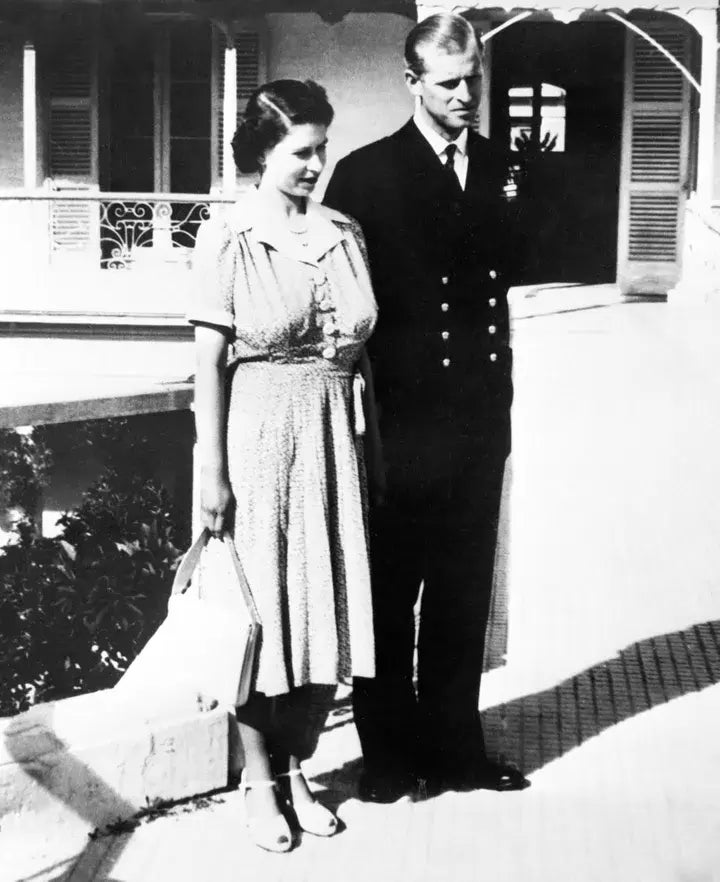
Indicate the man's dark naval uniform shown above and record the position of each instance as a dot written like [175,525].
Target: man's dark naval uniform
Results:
[441,259]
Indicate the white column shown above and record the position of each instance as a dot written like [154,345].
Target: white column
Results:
[705,22]
[30,121]
[229,112]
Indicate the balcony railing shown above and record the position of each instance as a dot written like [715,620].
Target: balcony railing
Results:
[79,252]
[110,231]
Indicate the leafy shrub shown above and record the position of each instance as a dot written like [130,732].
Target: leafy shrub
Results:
[76,609]
[25,463]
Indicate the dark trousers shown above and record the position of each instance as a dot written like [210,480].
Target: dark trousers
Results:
[438,527]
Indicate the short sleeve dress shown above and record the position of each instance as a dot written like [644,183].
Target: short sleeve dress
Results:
[298,310]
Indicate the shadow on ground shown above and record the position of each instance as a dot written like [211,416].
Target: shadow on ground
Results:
[533,730]
[536,729]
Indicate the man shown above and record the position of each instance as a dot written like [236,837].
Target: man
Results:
[430,200]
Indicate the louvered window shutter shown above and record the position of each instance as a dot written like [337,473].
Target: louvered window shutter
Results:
[654,166]
[72,135]
[250,55]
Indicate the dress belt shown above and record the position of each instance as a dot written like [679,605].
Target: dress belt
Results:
[358,386]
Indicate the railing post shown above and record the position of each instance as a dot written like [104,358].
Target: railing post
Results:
[162,227]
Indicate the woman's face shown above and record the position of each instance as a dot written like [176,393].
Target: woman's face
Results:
[293,165]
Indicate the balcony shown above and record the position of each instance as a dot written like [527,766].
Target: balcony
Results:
[79,252]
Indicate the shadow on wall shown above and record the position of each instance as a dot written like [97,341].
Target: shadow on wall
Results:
[536,729]
[30,740]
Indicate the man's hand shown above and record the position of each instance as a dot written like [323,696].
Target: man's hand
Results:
[216,500]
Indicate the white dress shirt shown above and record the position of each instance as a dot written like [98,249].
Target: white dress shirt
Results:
[439,145]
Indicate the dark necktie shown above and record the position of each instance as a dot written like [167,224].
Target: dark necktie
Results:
[449,165]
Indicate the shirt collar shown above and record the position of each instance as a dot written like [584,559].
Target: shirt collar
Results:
[435,140]
[251,213]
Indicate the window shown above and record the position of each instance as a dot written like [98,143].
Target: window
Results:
[159,109]
[537,118]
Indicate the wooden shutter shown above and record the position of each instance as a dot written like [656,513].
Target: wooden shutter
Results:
[71,77]
[251,72]
[654,161]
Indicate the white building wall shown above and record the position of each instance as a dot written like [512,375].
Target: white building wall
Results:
[11,110]
[359,62]
[716,164]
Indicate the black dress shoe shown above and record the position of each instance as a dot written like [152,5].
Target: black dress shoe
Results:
[486,775]
[503,777]
[374,787]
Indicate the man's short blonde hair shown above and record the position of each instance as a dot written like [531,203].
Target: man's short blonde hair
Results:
[448,33]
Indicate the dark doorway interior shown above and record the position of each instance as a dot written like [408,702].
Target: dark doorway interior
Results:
[556,100]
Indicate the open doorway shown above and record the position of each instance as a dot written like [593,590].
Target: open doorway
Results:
[556,102]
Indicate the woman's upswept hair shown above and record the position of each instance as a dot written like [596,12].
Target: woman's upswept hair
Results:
[269,115]
[445,32]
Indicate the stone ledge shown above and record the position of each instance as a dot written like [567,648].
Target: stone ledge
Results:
[94,317]
[70,766]
[129,399]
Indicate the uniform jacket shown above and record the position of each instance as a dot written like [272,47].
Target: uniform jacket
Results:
[441,261]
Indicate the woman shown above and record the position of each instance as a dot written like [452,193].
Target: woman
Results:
[284,298]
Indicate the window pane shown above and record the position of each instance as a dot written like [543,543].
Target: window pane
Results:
[190,52]
[190,165]
[133,56]
[133,165]
[133,112]
[190,110]
[523,112]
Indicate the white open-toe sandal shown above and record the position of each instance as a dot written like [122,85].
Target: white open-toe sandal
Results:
[311,816]
[272,834]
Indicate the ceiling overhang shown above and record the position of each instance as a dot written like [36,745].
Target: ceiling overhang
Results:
[329,10]
[568,11]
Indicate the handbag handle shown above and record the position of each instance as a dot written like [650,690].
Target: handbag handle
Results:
[242,578]
[191,559]
[189,563]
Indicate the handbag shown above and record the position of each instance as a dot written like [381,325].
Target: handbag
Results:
[205,650]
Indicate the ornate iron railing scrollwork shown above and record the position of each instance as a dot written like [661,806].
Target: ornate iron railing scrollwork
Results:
[130,228]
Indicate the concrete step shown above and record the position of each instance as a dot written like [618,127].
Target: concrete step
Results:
[70,767]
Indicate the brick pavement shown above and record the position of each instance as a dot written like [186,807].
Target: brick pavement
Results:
[610,696]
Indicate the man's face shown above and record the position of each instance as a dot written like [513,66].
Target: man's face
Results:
[449,89]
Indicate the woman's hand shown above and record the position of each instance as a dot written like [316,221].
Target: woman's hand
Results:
[216,500]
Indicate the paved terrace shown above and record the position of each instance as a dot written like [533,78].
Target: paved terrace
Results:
[609,698]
